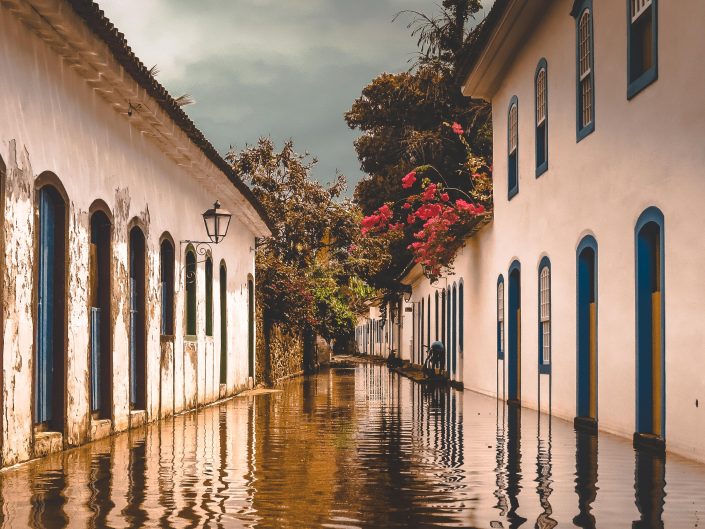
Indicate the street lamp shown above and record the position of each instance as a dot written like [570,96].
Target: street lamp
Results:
[217,221]
[407,293]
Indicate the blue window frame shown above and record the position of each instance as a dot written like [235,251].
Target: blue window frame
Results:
[544,319]
[449,329]
[585,68]
[541,116]
[436,313]
[642,45]
[443,317]
[454,355]
[428,320]
[500,317]
[461,314]
[513,148]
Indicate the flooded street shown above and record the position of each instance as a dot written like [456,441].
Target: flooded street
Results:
[356,448]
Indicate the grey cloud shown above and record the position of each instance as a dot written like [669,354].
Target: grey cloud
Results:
[271,67]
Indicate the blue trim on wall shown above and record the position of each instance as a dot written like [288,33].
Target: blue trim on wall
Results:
[582,364]
[436,313]
[577,12]
[449,328]
[514,331]
[544,369]
[650,75]
[512,191]
[461,312]
[454,355]
[643,423]
[541,167]
[500,324]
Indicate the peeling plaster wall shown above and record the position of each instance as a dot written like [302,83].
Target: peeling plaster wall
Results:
[50,120]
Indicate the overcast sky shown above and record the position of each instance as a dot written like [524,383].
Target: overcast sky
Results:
[284,68]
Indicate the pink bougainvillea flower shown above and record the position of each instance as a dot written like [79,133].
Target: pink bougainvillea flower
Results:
[475,176]
[385,212]
[457,128]
[411,218]
[406,205]
[408,180]
[429,193]
[445,197]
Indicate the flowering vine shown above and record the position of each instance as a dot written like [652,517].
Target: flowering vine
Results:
[438,216]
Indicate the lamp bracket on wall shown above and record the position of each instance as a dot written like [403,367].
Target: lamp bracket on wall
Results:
[202,249]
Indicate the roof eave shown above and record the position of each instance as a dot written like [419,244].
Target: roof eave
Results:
[505,31]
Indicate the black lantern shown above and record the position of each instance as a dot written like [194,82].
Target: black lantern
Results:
[407,293]
[217,221]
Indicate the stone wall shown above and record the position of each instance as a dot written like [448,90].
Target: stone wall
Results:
[286,351]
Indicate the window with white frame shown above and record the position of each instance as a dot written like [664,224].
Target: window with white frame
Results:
[585,68]
[545,314]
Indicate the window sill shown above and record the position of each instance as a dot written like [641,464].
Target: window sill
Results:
[190,338]
[541,169]
[639,84]
[585,132]
[166,337]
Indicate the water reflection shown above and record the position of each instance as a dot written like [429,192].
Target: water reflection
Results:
[650,487]
[585,477]
[355,448]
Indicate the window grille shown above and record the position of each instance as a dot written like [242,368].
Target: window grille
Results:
[513,129]
[545,313]
[541,97]
[585,52]
[639,7]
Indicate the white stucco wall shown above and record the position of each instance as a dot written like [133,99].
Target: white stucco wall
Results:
[644,152]
[52,121]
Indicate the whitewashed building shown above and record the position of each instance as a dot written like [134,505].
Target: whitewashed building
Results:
[581,296]
[109,318]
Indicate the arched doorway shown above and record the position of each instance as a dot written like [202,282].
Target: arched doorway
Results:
[650,339]
[514,333]
[100,318]
[587,333]
[50,345]
[223,324]
[138,346]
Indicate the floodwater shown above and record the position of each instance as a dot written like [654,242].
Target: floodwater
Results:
[356,448]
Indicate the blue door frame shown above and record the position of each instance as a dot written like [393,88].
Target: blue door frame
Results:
[586,296]
[650,324]
[44,370]
[514,332]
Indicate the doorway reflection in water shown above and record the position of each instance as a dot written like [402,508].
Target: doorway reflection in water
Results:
[356,448]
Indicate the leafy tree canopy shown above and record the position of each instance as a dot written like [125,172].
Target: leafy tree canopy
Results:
[404,119]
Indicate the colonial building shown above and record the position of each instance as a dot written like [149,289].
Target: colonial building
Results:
[581,296]
[110,316]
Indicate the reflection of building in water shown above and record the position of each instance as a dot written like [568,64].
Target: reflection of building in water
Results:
[500,468]
[544,476]
[585,477]
[650,488]
[514,465]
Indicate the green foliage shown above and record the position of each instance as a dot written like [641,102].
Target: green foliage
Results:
[404,119]
[305,268]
